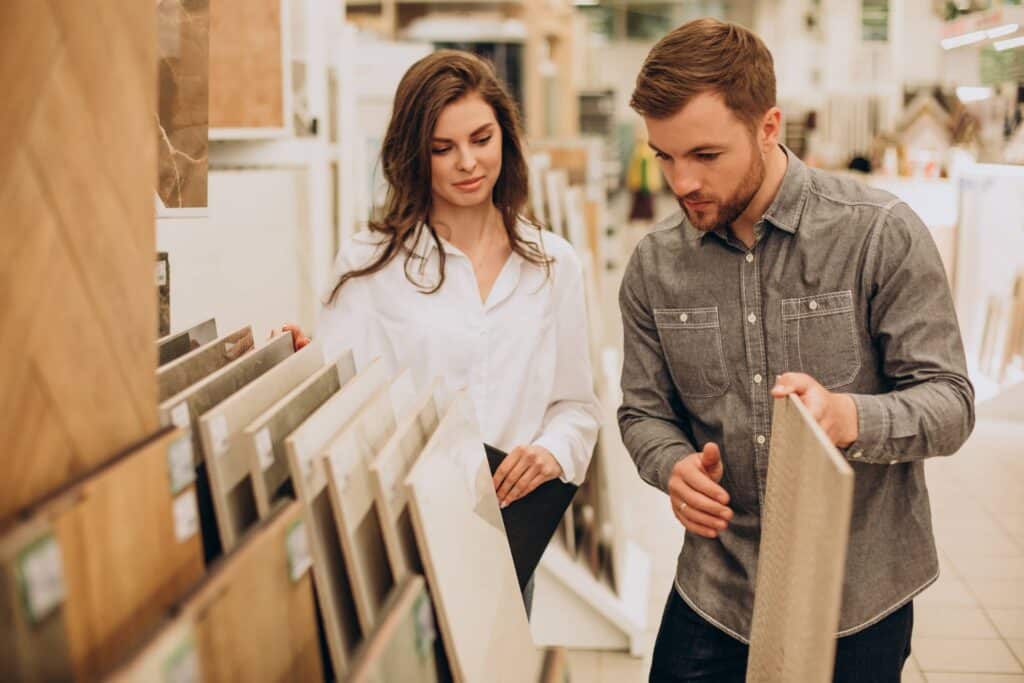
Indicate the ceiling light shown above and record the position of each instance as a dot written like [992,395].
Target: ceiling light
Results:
[1000,31]
[973,93]
[965,39]
[1009,44]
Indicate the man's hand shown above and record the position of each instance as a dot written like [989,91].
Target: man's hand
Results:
[524,469]
[836,413]
[698,502]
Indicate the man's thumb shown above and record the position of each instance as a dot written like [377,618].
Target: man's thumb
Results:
[711,456]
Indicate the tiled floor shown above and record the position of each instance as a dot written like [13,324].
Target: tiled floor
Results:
[969,626]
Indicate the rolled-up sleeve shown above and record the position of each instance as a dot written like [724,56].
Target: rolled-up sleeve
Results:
[929,409]
[651,415]
[572,418]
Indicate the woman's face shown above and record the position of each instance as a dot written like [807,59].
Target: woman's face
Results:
[465,153]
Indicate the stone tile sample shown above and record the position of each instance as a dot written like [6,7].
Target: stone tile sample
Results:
[163,294]
[183,372]
[178,344]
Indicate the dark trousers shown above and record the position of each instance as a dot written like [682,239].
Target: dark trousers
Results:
[690,649]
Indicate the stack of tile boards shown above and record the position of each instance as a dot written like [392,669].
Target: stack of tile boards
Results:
[296,518]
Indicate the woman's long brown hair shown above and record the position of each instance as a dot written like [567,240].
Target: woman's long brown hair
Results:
[426,89]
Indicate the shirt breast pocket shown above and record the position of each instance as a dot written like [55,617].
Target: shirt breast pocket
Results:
[692,342]
[821,337]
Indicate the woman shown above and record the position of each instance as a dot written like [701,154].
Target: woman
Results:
[453,283]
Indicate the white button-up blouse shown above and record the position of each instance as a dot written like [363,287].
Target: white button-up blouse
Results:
[522,355]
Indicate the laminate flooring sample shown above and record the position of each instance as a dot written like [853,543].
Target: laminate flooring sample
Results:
[468,563]
[802,554]
[347,468]
[304,449]
[387,479]
[401,647]
[221,432]
[265,435]
[181,373]
[96,566]
[178,344]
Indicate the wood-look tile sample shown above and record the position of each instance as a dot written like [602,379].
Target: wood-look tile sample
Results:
[556,666]
[387,479]
[247,78]
[220,429]
[96,566]
[255,615]
[304,449]
[178,344]
[401,647]
[803,551]
[183,46]
[183,372]
[347,470]
[80,386]
[468,563]
[264,436]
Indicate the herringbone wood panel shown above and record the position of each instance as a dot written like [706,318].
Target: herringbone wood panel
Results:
[77,301]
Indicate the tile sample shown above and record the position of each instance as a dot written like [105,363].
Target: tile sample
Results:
[304,448]
[73,574]
[803,551]
[171,655]
[556,665]
[178,344]
[221,428]
[80,388]
[387,479]
[468,563]
[163,294]
[401,647]
[346,465]
[183,46]
[183,372]
[264,436]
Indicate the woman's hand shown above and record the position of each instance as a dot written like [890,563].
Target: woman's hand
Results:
[524,469]
[298,338]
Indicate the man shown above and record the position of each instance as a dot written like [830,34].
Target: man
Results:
[777,279]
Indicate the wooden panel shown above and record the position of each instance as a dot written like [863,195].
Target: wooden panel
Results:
[460,537]
[255,619]
[182,373]
[803,551]
[79,217]
[264,436]
[247,80]
[401,648]
[304,449]
[178,344]
[387,478]
[221,433]
[347,468]
[105,592]
[183,33]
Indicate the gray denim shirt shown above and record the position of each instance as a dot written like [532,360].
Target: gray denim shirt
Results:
[844,283]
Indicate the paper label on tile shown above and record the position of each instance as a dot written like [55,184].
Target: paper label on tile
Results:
[180,416]
[180,464]
[161,273]
[219,435]
[186,516]
[264,449]
[297,546]
[182,665]
[426,632]
[41,578]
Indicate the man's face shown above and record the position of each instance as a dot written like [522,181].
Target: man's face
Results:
[711,160]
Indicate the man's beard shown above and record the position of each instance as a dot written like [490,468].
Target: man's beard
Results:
[732,208]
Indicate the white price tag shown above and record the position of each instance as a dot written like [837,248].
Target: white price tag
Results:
[297,545]
[180,464]
[264,449]
[219,435]
[180,416]
[41,577]
[161,273]
[186,516]
[182,665]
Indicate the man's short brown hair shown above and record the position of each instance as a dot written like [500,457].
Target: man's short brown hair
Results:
[707,55]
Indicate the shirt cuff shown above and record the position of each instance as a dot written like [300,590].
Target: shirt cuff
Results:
[558,448]
[872,430]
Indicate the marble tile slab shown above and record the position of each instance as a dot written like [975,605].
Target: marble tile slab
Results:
[468,563]
[183,52]
[185,371]
[178,344]
[803,551]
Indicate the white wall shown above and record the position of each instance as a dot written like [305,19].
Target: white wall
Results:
[249,261]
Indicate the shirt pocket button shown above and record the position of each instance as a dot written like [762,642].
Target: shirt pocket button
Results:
[813,305]
[683,317]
